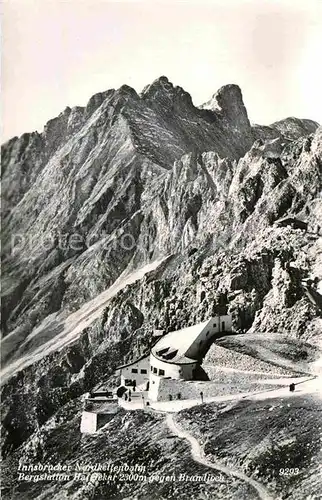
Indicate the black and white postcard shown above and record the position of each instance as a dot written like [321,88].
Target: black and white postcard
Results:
[161,261]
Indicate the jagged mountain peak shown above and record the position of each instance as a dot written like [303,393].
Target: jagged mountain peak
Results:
[126,91]
[227,95]
[161,84]
[289,129]
[225,98]
[293,127]
[96,100]
[71,119]
[163,90]
[228,101]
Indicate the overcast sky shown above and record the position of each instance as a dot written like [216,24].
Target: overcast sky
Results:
[57,53]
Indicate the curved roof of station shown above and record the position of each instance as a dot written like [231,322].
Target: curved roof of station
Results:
[172,348]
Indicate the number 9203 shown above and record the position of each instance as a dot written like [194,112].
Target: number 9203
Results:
[289,472]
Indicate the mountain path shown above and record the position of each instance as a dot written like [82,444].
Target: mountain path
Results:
[198,455]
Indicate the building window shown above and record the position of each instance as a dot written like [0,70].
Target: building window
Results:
[207,333]
[151,368]
[155,370]
[144,371]
[163,351]
[215,325]
[161,372]
[171,354]
[134,370]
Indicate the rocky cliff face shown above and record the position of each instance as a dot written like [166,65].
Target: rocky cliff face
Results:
[131,179]
[87,178]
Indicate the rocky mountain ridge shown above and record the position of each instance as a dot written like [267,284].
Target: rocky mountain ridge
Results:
[86,172]
[132,179]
